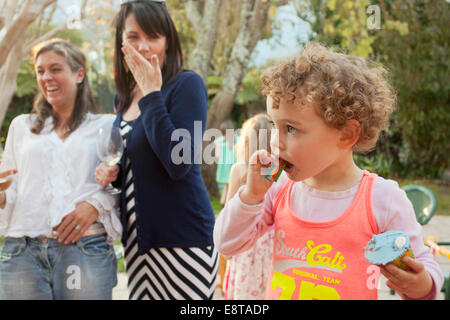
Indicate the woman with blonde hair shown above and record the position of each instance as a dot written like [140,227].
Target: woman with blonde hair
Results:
[58,223]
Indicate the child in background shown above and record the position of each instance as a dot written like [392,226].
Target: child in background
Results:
[325,209]
[246,273]
[226,157]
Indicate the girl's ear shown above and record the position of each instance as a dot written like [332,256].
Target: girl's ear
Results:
[350,134]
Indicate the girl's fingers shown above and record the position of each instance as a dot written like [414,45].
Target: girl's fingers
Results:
[415,265]
[390,284]
[260,158]
[394,274]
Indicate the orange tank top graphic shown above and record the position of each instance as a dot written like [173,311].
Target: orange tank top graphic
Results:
[324,260]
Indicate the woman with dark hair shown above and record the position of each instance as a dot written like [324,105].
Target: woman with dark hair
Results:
[165,209]
[58,223]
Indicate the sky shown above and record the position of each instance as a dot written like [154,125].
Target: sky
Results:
[293,31]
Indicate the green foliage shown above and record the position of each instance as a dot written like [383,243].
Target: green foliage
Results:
[215,203]
[378,163]
[419,64]
[412,42]
[338,23]
[26,80]
[250,90]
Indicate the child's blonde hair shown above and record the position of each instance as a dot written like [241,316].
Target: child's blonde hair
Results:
[254,135]
[341,87]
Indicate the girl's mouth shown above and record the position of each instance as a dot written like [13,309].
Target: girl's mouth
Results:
[289,168]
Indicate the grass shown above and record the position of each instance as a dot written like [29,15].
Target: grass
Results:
[215,203]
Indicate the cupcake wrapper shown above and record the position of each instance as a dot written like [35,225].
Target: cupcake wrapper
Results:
[399,263]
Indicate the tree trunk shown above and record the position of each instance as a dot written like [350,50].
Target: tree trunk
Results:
[16,17]
[13,44]
[205,26]
[8,77]
[253,19]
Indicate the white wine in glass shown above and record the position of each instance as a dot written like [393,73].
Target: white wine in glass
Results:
[110,149]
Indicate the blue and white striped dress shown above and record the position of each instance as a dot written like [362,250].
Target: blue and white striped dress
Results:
[164,273]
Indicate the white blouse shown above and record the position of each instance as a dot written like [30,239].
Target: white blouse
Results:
[53,177]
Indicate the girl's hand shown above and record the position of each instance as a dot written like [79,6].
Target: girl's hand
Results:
[415,283]
[104,174]
[257,185]
[146,74]
[75,224]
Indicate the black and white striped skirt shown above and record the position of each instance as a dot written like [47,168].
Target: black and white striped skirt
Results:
[170,273]
[165,273]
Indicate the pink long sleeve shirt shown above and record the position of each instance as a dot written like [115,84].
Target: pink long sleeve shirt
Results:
[239,225]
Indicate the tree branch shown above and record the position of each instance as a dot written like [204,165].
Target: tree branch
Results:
[2,21]
[83,9]
[29,12]
[194,16]
[46,36]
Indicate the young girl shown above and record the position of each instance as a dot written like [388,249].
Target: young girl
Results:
[324,208]
[246,273]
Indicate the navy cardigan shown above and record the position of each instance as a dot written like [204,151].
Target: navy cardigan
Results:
[171,202]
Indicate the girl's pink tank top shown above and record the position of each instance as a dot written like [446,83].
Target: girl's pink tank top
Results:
[324,260]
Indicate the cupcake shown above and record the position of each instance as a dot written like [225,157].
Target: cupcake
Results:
[389,247]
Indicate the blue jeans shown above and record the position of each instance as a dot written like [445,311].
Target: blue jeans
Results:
[44,269]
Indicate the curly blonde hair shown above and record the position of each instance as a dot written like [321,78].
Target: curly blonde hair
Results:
[341,87]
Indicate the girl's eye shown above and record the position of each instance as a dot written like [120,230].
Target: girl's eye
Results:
[291,130]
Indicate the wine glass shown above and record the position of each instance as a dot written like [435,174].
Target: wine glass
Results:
[110,149]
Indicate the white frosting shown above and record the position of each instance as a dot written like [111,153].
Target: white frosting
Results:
[400,242]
